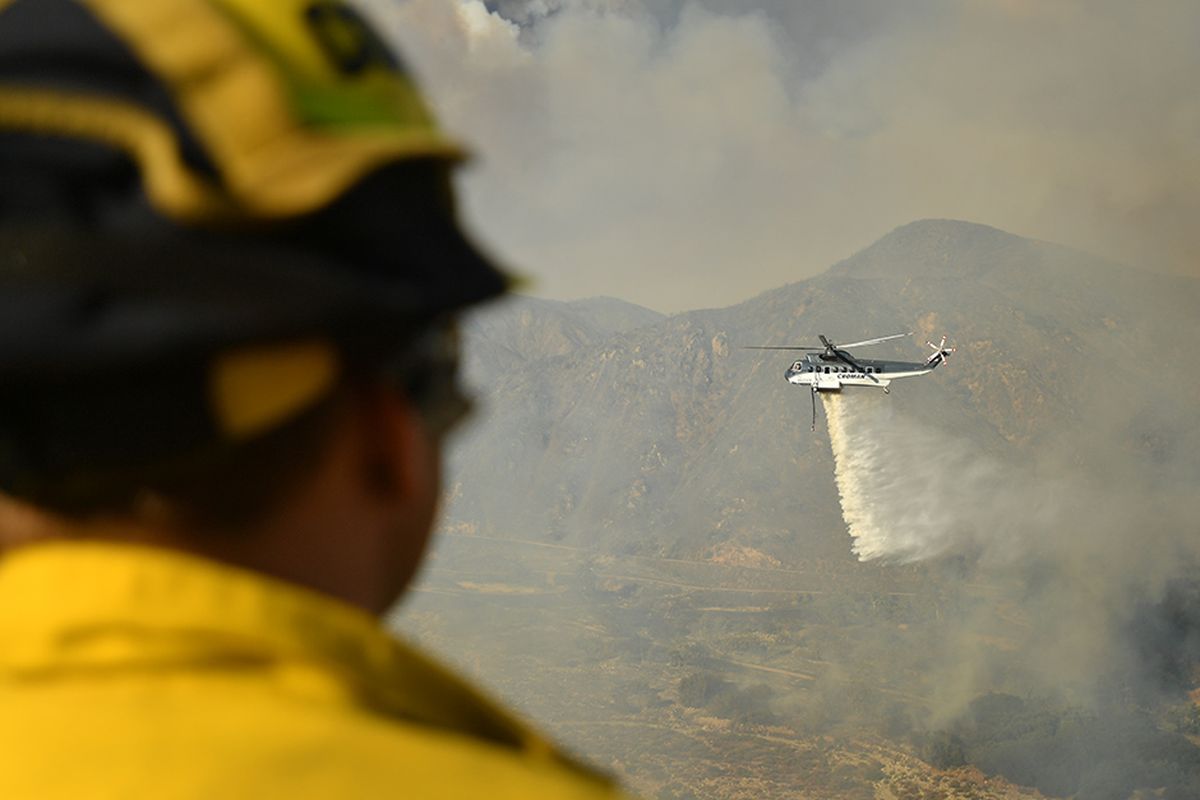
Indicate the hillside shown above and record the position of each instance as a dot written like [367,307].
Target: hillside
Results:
[666,438]
[644,547]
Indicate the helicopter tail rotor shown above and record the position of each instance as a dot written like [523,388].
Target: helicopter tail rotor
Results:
[940,355]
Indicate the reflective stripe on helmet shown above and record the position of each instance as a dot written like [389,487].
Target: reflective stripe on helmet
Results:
[255,388]
[293,101]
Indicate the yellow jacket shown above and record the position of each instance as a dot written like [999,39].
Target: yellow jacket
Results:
[134,672]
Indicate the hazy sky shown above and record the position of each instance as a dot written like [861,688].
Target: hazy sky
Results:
[688,154]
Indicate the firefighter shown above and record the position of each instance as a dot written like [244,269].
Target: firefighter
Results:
[229,272]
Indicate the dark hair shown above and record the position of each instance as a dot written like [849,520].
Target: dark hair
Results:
[100,447]
[232,486]
[217,485]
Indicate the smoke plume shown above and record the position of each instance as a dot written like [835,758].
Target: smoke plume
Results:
[1091,553]
[690,154]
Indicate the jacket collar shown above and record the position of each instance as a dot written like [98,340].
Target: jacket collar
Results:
[68,606]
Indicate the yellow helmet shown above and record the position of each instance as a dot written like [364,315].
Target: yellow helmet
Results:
[233,109]
[197,181]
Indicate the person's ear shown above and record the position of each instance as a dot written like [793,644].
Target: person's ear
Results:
[401,460]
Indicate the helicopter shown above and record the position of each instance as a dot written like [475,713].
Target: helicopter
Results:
[830,367]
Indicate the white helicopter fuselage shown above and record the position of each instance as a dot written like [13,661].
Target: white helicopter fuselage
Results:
[830,375]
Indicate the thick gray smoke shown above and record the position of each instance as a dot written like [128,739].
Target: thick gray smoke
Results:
[689,154]
[1082,548]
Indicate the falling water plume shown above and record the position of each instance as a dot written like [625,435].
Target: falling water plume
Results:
[908,490]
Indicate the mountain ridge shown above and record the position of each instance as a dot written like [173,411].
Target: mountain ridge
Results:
[667,438]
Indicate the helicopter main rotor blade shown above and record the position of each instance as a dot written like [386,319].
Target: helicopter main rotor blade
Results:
[866,342]
[775,347]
